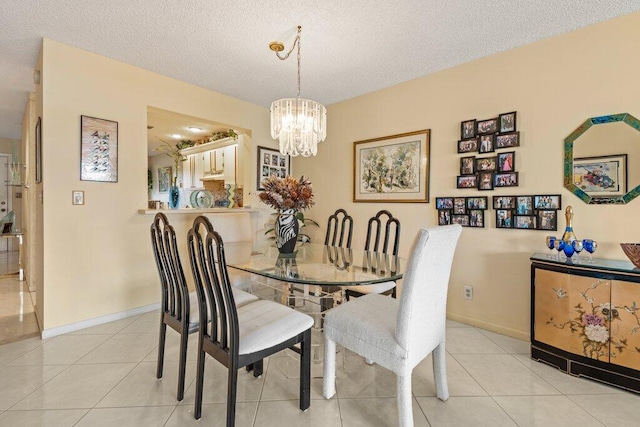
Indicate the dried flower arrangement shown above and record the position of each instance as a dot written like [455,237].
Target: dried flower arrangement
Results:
[287,193]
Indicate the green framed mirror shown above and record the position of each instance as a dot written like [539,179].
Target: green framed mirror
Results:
[597,156]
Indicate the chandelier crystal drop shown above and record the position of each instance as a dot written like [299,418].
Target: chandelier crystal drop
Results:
[298,123]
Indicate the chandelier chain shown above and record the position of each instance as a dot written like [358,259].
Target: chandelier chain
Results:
[297,42]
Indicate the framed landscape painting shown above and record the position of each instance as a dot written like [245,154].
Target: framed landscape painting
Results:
[392,168]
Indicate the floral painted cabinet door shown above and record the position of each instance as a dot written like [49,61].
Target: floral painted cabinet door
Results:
[625,324]
[573,313]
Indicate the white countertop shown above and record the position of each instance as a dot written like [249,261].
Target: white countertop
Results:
[195,211]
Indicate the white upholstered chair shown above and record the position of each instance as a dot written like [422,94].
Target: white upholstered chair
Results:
[399,333]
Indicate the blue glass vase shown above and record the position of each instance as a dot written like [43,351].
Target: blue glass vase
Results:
[174,197]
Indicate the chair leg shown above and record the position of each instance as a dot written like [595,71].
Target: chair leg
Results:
[182,367]
[199,382]
[257,368]
[440,372]
[405,404]
[162,339]
[329,374]
[232,389]
[305,370]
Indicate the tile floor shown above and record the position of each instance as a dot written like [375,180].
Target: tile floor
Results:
[105,376]
[17,318]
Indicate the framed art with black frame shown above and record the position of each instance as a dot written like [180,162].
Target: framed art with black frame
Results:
[463,220]
[468,129]
[484,164]
[467,181]
[468,146]
[547,220]
[506,161]
[504,218]
[271,162]
[505,179]
[479,202]
[444,216]
[444,202]
[485,181]
[484,127]
[507,122]
[504,202]
[476,218]
[459,205]
[486,144]
[524,205]
[547,202]
[39,150]
[526,222]
[507,140]
[467,165]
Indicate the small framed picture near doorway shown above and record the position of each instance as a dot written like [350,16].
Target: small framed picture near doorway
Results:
[77,197]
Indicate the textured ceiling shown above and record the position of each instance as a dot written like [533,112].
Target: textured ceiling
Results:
[349,48]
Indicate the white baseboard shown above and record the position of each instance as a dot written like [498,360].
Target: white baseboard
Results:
[72,327]
[499,329]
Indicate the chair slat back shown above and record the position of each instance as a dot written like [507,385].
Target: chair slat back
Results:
[391,232]
[336,228]
[175,294]
[422,312]
[218,314]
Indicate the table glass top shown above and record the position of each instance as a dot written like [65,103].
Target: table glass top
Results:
[316,264]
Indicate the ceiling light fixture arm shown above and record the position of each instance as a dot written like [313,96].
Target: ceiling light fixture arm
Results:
[278,47]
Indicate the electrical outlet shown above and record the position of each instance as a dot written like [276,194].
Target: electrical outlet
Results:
[468,292]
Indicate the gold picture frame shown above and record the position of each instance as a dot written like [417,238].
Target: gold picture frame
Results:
[392,169]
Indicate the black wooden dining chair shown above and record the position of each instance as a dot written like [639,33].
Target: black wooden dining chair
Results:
[178,306]
[338,224]
[244,336]
[376,241]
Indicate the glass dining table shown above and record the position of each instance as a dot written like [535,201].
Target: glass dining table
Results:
[310,279]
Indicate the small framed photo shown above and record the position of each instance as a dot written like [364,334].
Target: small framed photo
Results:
[486,164]
[486,144]
[444,216]
[77,197]
[444,202]
[505,179]
[485,181]
[548,202]
[525,205]
[525,222]
[504,218]
[467,165]
[504,202]
[506,140]
[6,228]
[467,181]
[476,218]
[463,220]
[508,122]
[468,129]
[507,161]
[547,220]
[477,202]
[487,126]
[459,205]
[468,146]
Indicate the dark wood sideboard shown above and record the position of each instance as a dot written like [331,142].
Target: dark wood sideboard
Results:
[585,318]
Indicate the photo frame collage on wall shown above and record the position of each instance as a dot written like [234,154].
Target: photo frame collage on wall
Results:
[485,137]
[466,211]
[539,212]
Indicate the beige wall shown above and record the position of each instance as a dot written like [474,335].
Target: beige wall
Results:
[554,85]
[97,257]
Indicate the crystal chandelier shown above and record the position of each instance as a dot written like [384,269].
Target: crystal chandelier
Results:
[299,124]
